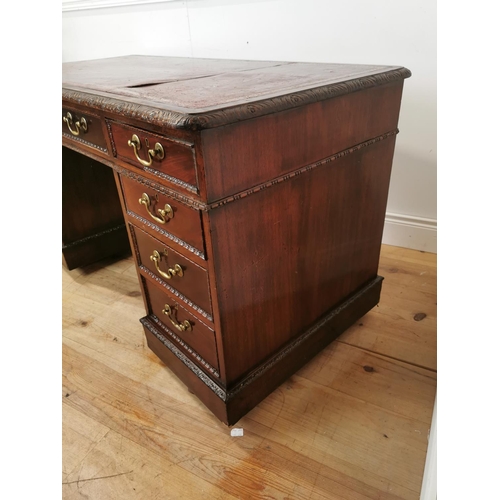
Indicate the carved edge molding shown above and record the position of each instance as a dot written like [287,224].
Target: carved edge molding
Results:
[111,138]
[83,141]
[217,118]
[173,180]
[178,294]
[189,202]
[93,236]
[157,173]
[199,205]
[302,170]
[219,391]
[180,242]
[188,348]
[106,160]
[225,395]
[300,340]
[152,275]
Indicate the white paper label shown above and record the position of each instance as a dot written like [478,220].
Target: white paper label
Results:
[236,432]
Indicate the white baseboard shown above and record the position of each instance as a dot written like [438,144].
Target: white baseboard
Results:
[408,231]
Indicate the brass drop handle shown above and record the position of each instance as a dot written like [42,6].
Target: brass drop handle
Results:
[171,272]
[157,152]
[164,214]
[184,326]
[81,124]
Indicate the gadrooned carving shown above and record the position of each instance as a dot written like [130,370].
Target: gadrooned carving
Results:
[188,348]
[189,202]
[180,242]
[221,393]
[226,396]
[199,205]
[83,141]
[93,236]
[162,117]
[178,294]
[302,170]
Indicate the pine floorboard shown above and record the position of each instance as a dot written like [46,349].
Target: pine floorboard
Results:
[352,424]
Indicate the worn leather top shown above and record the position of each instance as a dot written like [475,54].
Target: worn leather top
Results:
[177,92]
[197,85]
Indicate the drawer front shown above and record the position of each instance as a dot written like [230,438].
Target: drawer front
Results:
[170,159]
[187,330]
[84,128]
[169,218]
[174,271]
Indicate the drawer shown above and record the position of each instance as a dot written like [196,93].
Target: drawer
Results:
[186,279]
[169,218]
[85,128]
[170,159]
[193,335]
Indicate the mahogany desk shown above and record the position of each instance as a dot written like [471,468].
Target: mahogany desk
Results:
[253,195]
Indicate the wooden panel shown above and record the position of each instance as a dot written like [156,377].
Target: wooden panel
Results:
[305,244]
[178,162]
[93,227]
[201,338]
[93,136]
[243,155]
[185,224]
[193,284]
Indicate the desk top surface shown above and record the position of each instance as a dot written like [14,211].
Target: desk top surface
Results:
[188,87]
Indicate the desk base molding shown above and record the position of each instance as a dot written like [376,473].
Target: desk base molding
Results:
[229,405]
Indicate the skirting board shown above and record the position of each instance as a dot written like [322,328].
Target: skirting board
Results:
[408,231]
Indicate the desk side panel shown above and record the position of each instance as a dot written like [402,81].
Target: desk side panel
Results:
[289,253]
[243,155]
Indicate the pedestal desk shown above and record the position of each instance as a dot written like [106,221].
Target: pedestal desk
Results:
[253,196]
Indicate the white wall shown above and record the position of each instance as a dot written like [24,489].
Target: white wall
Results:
[392,32]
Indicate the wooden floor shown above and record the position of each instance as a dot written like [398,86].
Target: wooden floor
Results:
[352,424]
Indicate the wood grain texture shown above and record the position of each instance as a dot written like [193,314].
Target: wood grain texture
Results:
[304,246]
[178,167]
[242,155]
[93,137]
[352,424]
[183,229]
[192,287]
[201,338]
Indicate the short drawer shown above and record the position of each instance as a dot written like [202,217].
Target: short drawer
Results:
[186,279]
[84,128]
[169,159]
[192,334]
[166,216]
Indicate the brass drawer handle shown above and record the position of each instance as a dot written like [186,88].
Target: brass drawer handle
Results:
[185,326]
[158,151]
[176,271]
[164,214]
[81,124]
